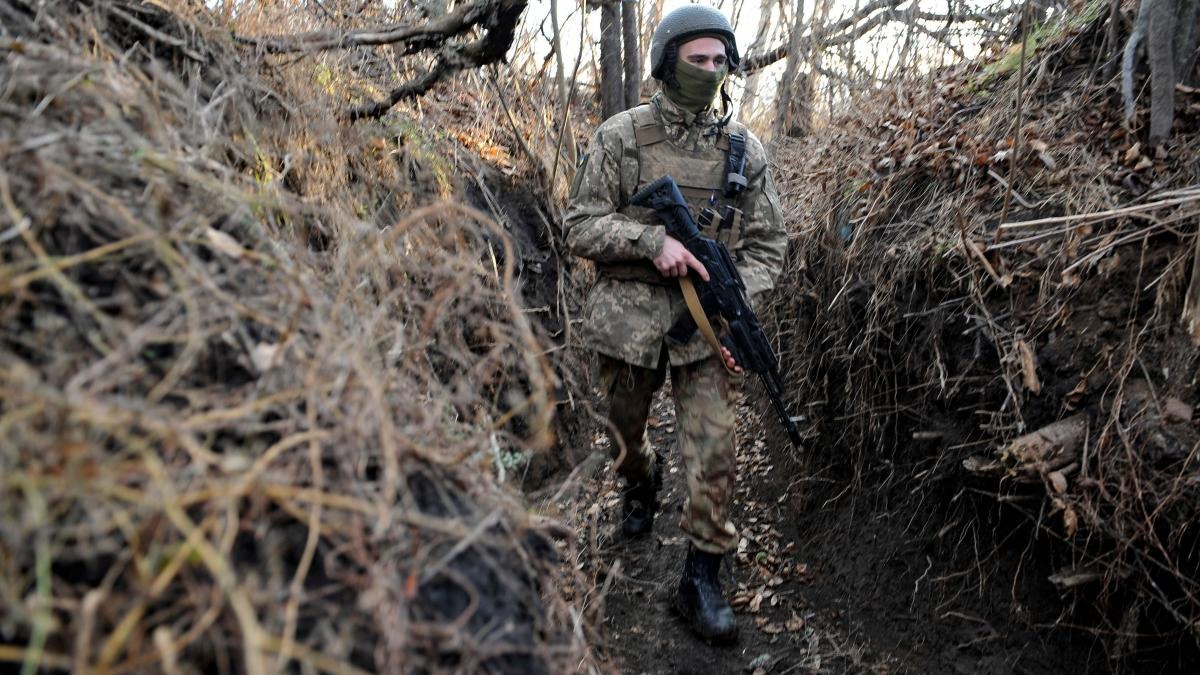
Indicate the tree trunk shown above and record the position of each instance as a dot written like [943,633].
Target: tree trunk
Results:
[761,39]
[784,121]
[612,90]
[1187,31]
[566,139]
[561,74]
[633,53]
[1162,68]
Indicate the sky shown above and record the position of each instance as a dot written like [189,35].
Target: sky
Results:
[878,47]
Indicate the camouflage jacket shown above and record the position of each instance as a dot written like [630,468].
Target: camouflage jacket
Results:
[628,319]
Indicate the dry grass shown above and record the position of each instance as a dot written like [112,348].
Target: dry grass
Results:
[256,377]
[940,317]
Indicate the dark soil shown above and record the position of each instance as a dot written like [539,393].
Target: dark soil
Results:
[858,589]
[784,631]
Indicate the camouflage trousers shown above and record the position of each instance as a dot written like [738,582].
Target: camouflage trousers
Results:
[704,394]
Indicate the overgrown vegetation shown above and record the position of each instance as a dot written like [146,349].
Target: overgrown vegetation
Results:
[999,314]
[287,319]
[256,375]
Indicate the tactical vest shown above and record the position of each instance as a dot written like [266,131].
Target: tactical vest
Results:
[703,178]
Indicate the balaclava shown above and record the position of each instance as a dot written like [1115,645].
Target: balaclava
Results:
[697,87]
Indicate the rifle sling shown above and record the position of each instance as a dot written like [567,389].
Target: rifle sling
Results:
[697,310]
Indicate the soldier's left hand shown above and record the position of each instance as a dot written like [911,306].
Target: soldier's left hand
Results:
[730,363]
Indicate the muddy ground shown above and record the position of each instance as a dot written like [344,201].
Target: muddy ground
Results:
[842,587]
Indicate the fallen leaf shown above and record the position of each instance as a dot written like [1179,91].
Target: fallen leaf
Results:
[224,243]
[795,624]
[1058,481]
[1070,521]
[1133,153]
[1109,265]
[264,356]
[1176,411]
[1073,397]
[1029,367]
[756,603]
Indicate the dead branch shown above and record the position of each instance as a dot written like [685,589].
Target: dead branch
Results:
[499,29]
[868,18]
[414,38]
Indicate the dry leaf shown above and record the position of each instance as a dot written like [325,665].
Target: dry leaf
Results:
[1176,411]
[1029,367]
[1133,153]
[1109,265]
[224,243]
[756,603]
[1058,481]
[1070,522]
[1143,164]
[795,624]
[264,356]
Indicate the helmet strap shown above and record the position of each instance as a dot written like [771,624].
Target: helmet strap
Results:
[726,107]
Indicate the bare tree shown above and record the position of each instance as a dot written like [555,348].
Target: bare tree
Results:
[872,16]
[633,52]
[557,44]
[612,88]
[763,36]
[787,115]
[1168,29]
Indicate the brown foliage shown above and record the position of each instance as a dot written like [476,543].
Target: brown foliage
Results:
[254,378]
[922,316]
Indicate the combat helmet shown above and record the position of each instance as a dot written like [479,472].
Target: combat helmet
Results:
[687,22]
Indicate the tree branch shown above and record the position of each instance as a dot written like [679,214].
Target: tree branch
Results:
[499,28]
[428,34]
[863,21]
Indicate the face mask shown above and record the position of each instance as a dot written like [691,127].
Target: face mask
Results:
[697,86]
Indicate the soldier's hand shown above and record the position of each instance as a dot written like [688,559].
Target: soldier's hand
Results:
[730,363]
[674,260]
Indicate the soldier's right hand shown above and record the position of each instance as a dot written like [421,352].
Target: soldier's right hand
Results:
[674,260]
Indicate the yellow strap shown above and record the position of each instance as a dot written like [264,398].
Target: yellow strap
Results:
[697,310]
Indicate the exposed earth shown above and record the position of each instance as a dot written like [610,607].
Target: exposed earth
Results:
[841,589]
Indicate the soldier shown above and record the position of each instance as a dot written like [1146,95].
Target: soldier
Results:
[637,296]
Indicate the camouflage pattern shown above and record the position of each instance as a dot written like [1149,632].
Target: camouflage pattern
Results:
[627,319]
[704,394]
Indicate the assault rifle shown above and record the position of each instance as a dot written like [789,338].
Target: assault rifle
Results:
[722,297]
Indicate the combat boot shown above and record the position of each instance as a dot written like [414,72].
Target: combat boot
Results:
[700,600]
[640,502]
